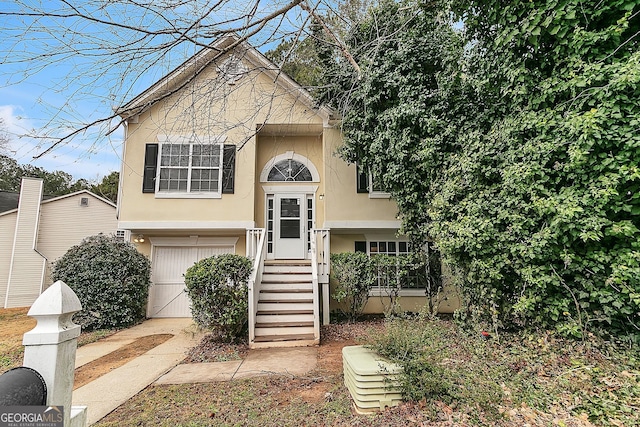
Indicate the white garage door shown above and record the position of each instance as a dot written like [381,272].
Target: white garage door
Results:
[167,295]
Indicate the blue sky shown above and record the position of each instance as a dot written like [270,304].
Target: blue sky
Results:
[26,106]
[57,74]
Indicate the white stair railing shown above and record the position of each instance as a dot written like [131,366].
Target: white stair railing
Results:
[320,258]
[255,251]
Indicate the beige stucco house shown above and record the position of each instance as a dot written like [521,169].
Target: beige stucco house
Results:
[40,231]
[226,154]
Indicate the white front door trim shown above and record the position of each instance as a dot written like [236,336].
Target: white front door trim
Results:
[276,193]
[289,226]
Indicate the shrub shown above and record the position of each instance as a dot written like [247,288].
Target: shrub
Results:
[218,290]
[440,363]
[111,279]
[355,273]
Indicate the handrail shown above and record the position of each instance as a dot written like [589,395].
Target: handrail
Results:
[255,250]
[315,285]
[320,268]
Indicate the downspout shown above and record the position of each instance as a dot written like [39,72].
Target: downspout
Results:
[125,123]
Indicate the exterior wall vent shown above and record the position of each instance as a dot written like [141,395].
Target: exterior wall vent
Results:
[123,235]
[84,201]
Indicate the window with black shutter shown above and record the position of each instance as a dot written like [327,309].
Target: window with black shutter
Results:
[362,179]
[150,168]
[228,169]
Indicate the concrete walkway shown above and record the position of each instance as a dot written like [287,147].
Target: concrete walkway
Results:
[161,365]
[291,361]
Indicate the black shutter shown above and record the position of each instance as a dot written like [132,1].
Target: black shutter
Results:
[362,180]
[361,247]
[228,168]
[150,168]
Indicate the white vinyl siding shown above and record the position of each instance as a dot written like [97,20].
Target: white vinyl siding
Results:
[65,223]
[7,233]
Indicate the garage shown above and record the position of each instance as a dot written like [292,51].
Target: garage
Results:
[167,294]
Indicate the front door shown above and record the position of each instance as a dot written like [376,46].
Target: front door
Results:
[289,239]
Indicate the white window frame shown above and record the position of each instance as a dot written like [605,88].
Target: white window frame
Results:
[376,194]
[289,155]
[378,290]
[191,141]
[371,191]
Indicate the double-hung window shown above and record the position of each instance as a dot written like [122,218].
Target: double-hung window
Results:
[192,168]
[189,167]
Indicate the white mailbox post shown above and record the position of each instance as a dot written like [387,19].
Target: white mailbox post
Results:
[50,348]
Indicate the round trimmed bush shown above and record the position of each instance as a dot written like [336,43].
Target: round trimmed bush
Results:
[111,279]
[218,290]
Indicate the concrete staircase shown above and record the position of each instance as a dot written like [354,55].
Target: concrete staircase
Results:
[285,316]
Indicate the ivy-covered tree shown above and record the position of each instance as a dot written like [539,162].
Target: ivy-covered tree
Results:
[515,148]
[557,199]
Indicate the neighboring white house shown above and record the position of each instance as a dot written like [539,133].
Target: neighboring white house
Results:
[40,231]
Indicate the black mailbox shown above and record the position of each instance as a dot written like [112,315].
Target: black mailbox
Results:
[22,387]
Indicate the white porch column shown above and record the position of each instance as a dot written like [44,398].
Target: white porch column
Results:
[50,348]
[325,303]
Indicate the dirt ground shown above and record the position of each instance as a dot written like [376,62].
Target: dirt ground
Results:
[14,322]
[318,398]
[95,369]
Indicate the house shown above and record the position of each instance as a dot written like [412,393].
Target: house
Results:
[226,154]
[38,232]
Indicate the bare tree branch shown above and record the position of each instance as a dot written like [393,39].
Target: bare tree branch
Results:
[111,48]
[329,32]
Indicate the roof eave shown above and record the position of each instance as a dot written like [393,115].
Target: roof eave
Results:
[202,59]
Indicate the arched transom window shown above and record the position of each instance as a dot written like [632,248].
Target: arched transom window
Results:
[289,167]
[289,170]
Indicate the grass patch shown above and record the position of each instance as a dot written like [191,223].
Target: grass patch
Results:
[10,357]
[265,401]
[93,336]
[14,323]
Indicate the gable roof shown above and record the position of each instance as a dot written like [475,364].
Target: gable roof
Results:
[192,67]
[87,192]
[9,200]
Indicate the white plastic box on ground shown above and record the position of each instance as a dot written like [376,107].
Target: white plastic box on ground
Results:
[371,380]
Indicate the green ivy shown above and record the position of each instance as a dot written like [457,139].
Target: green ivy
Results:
[514,143]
